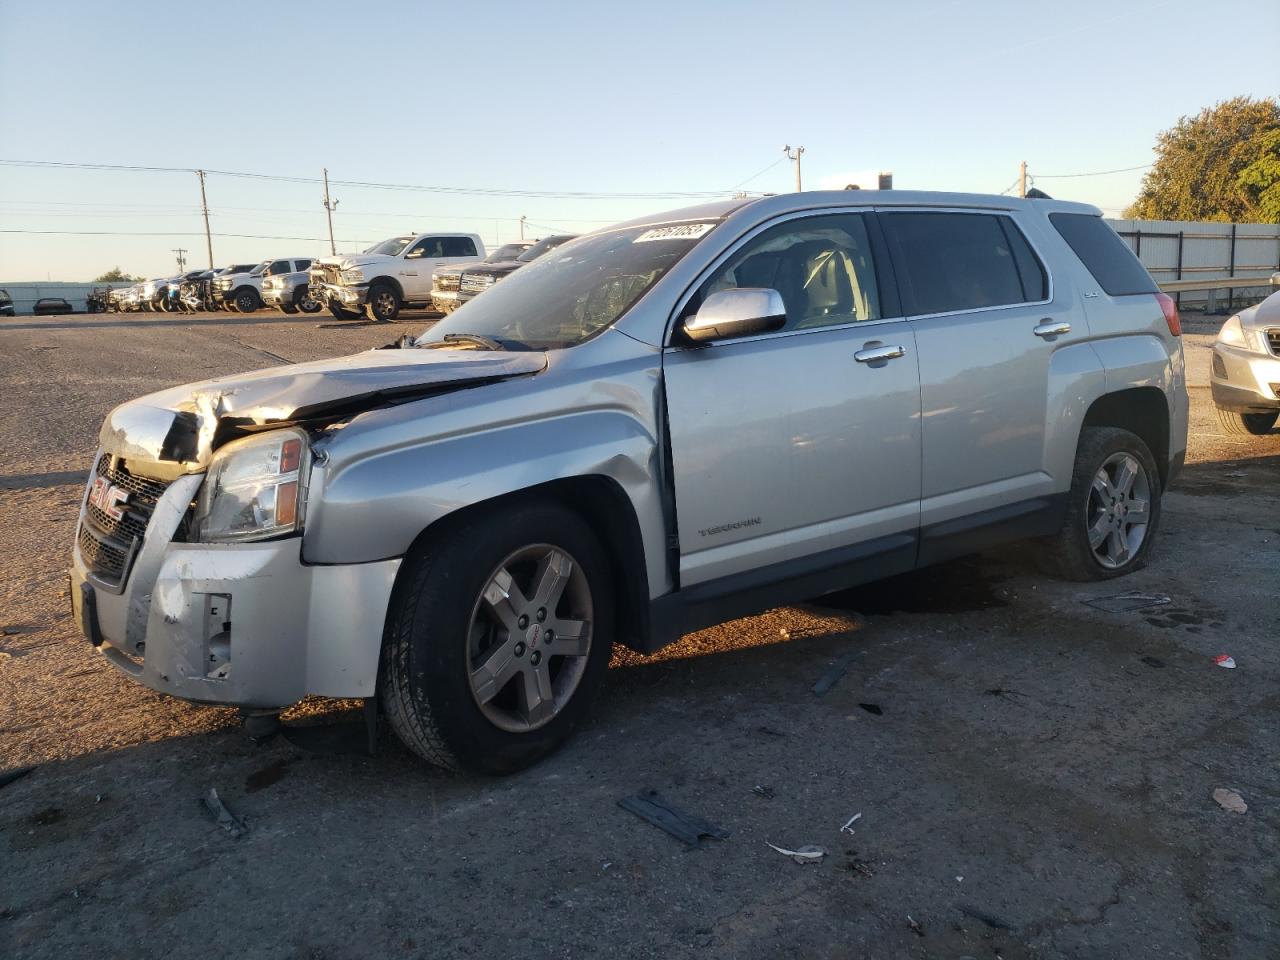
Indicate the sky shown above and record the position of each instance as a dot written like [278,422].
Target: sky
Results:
[634,103]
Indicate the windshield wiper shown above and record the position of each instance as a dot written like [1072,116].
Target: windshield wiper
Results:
[480,340]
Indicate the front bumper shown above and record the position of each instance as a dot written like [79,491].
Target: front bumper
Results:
[244,624]
[1244,381]
[350,297]
[444,301]
[274,298]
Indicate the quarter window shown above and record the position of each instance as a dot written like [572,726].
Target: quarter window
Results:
[822,266]
[1105,255]
[964,261]
[302,265]
[459,247]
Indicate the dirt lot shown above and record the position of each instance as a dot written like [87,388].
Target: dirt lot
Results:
[1034,775]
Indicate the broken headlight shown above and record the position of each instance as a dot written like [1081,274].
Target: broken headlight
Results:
[255,488]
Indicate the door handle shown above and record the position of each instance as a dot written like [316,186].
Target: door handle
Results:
[879,353]
[1051,328]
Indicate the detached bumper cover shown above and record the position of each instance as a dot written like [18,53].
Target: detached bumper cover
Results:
[345,296]
[241,624]
[1245,381]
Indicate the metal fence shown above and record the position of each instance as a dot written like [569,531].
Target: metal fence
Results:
[1203,250]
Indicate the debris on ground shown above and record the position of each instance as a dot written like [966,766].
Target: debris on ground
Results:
[990,919]
[1225,660]
[228,821]
[1127,602]
[17,773]
[1153,662]
[762,791]
[915,927]
[648,805]
[1230,800]
[872,708]
[770,732]
[806,854]
[833,673]
[848,827]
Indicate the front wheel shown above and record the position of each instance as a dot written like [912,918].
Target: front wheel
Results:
[247,300]
[498,638]
[1113,508]
[342,313]
[305,302]
[288,308]
[384,303]
[1235,423]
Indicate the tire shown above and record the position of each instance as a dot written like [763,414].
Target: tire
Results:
[342,313]
[288,308]
[1235,423]
[383,304]
[434,689]
[1074,552]
[247,300]
[305,302]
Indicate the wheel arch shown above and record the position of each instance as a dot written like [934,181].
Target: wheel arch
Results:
[389,281]
[602,502]
[1143,411]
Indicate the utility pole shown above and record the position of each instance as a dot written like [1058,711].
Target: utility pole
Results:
[182,260]
[204,205]
[522,220]
[1022,180]
[329,207]
[796,157]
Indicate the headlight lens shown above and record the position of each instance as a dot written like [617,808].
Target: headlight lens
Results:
[353,275]
[255,488]
[1233,334]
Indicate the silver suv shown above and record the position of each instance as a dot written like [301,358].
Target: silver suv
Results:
[668,423]
[1245,378]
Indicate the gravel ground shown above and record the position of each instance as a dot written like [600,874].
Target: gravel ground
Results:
[1034,775]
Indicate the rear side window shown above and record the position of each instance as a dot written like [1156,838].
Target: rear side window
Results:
[1105,255]
[459,247]
[964,261]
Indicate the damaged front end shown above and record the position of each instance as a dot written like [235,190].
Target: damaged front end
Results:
[187,569]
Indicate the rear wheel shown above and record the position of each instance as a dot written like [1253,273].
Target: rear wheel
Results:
[498,639]
[384,303]
[1235,423]
[1113,508]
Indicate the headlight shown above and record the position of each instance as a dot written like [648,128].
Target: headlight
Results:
[1233,334]
[353,275]
[255,488]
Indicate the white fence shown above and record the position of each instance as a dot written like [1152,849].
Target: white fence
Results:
[25,294]
[1201,250]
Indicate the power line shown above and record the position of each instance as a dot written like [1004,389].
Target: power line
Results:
[761,173]
[1096,173]
[373,185]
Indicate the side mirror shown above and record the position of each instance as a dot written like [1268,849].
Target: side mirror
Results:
[739,312]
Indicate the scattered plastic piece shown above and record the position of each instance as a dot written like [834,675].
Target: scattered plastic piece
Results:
[807,854]
[848,827]
[1225,660]
[833,673]
[872,708]
[763,791]
[1230,800]
[990,919]
[915,927]
[648,805]
[1153,662]
[225,818]
[1127,602]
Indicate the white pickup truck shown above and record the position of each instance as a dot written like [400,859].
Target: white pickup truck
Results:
[393,274]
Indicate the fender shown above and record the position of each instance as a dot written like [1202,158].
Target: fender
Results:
[388,280]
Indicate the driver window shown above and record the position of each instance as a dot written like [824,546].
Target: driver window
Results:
[280,266]
[429,247]
[821,266]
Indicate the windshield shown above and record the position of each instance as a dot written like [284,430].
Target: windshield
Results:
[507,251]
[567,297]
[542,246]
[390,247]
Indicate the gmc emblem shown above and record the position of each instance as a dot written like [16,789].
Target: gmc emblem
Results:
[108,498]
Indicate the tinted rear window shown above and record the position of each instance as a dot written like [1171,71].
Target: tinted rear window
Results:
[964,261]
[1105,255]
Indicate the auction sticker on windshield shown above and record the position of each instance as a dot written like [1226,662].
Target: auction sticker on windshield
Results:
[680,231]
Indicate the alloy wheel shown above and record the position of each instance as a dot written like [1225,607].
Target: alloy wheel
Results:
[529,638]
[1118,510]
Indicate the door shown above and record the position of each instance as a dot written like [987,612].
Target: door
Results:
[419,262]
[794,445]
[987,325]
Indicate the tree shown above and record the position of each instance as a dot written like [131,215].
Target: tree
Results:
[1199,173]
[116,275]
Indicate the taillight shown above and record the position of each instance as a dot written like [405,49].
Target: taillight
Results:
[1170,309]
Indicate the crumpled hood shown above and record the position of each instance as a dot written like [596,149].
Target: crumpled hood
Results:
[344,260]
[181,424]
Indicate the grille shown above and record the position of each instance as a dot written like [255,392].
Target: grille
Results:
[448,281]
[477,284]
[327,272]
[105,541]
[1273,340]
